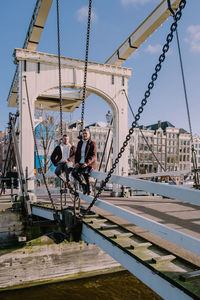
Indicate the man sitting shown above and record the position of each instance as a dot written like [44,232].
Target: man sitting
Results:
[85,160]
[61,156]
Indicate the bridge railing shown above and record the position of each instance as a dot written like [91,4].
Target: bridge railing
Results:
[176,192]
[172,191]
[183,194]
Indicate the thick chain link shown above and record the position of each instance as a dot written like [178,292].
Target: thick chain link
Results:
[86,64]
[147,94]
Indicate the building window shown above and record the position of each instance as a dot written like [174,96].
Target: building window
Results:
[25,65]
[123,81]
[112,79]
[38,67]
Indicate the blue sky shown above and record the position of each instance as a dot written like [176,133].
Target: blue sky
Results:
[112,22]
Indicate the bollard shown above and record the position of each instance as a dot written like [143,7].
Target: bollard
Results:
[11,189]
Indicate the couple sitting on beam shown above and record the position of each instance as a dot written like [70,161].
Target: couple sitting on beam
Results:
[83,157]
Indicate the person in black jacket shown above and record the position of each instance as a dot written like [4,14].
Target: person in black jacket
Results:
[62,156]
[85,160]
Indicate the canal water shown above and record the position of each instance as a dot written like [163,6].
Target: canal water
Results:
[115,286]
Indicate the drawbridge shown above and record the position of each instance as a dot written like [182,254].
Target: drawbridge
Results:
[168,274]
[165,272]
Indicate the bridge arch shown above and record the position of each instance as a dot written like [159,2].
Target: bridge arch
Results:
[106,81]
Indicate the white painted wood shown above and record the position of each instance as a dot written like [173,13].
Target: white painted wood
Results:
[180,193]
[161,286]
[150,24]
[98,82]
[178,238]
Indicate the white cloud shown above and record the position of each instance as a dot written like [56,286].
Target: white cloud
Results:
[193,38]
[82,14]
[126,2]
[154,49]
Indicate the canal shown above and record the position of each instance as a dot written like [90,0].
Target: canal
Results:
[116,286]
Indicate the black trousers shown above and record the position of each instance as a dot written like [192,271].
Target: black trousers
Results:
[77,172]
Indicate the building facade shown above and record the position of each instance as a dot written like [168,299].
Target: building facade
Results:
[196,141]
[159,147]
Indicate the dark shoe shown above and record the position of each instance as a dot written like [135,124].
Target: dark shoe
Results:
[69,185]
[88,189]
[84,188]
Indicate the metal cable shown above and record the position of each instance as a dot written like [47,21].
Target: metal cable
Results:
[37,152]
[194,161]
[144,100]
[103,154]
[184,85]
[143,136]
[86,64]
[59,69]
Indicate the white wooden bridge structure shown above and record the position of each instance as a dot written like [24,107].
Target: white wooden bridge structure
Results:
[167,274]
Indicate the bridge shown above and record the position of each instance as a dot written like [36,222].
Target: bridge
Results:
[163,268]
[169,272]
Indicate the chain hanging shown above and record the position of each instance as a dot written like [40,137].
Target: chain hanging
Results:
[86,65]
[147,94]
[59,69]
[57,217]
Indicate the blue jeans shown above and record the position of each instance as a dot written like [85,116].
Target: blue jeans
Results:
[62,167]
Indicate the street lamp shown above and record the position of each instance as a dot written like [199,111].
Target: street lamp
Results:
[109,118]
[40,110]
[40,115]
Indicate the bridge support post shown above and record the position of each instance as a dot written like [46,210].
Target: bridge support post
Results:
[26,141]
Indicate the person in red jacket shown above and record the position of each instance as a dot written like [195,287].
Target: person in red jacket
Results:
[85,160]
[62,156]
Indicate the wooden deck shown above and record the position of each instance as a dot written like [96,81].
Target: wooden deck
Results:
[184,217]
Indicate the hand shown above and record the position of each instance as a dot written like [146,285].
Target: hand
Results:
[76,165]
[65,161]
[84,165]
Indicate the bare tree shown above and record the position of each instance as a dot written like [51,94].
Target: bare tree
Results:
[45,135]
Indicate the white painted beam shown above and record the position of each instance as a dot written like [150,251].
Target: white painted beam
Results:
[31,41]
[159,174]
[158,284]
[176,237]
[180,193]
[150,24]
[44,212]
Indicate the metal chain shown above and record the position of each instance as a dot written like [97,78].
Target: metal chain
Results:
[86,64]
[147,94]
[36,148]
[59,69]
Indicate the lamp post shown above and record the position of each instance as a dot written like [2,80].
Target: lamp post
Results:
[40,115]
[109,118]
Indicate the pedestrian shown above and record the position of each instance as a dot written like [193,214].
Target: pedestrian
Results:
[62,157]
[85,160]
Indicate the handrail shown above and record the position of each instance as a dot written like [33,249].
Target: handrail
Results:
[175,192]
[172,235]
